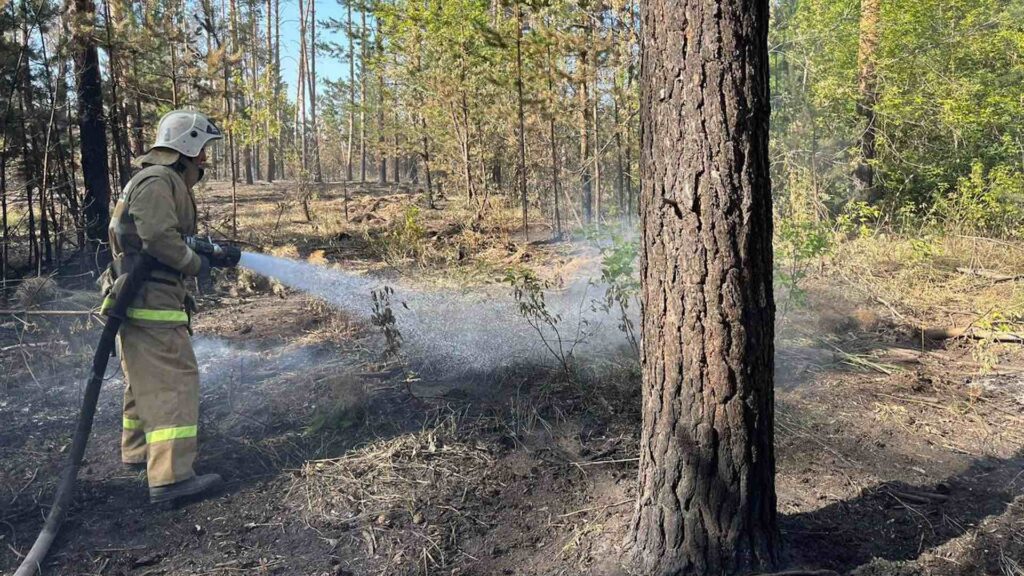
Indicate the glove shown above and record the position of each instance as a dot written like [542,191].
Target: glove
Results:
[204,278]
[225,256]
[218,256]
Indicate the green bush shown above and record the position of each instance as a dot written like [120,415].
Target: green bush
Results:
[988,202]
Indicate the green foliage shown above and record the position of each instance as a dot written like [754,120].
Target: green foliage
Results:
[404,240]
[949,115]
[798,246]
[622,286]
[858,219]
[984,202]
[528,292]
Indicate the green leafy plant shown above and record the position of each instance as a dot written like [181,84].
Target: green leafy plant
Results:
[528,292]
[622,286]
[798,245]
[404,240]
[984,202]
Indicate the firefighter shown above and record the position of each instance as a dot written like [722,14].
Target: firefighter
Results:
[161,400]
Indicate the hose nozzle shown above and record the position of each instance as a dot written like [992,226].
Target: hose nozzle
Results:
[220,256]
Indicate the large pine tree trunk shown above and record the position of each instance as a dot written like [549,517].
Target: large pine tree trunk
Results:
[706,490]
[864,174]
[91,127]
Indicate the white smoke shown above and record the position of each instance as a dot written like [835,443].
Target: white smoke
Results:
[453,333]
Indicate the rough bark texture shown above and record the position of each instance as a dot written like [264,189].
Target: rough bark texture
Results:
[864,174]
[706,493]
[91,126]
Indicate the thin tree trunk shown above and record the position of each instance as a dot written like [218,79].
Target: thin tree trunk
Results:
[46,194]
[351,95]
[257,166]
[318,175]
[119,122]
[277,84]
[466,152]
[29,170]
[864,174]
[706,490]
[555,169]
[619,191]
[426,161]
[382,155]
[92,130]
[4,254]
[522,121]
[272,81]
[585,145]
[595,103]
[362,97]
[395,164]
[300,97]
[138,137]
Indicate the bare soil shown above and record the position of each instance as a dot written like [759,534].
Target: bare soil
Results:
[895,455]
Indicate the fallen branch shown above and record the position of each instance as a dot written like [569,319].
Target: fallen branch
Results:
[591,509]
[918,497]
[950,333]
[800,573]
[995,276]
[32,345]
[10,312]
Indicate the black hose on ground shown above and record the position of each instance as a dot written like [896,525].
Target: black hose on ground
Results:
[65,490]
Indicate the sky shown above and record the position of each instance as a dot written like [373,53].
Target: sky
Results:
[327,67]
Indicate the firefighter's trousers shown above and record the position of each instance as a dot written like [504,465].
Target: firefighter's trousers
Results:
[161,401]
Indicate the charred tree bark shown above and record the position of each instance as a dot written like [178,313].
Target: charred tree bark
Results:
[864,174]
[706,490]
[91,128]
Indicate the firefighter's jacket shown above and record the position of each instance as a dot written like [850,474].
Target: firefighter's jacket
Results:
[155,211]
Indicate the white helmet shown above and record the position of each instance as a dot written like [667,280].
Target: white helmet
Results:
[186,131]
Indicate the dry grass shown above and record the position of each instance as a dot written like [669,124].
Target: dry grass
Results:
[919,281]
[34,292]
[416,488]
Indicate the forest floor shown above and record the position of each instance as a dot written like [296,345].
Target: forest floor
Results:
[896,453]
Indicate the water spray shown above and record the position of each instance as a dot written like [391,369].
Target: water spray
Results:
[449,332]
[446,332]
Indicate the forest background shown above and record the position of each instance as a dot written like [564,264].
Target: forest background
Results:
[904,113]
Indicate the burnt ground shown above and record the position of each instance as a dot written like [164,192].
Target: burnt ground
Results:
[894,455]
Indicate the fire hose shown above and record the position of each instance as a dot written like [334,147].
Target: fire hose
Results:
[216,256]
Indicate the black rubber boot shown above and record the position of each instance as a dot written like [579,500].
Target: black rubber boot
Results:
[191,487]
